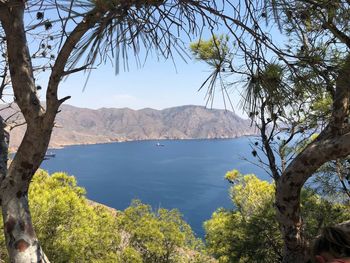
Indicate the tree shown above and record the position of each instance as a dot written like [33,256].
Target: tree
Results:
[284,83]
[250,233]
[160,236]
[72,228]
[94,31]
[69,227]
[89,32]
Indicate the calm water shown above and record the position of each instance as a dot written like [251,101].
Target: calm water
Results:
[184,174]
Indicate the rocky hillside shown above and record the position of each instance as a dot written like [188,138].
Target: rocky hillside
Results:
[87,126]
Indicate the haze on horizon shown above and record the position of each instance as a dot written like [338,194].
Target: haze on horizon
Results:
[157,84]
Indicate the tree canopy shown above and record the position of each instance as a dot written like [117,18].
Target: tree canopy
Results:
[249,231]
[294,85]
[74,229]
[288,84]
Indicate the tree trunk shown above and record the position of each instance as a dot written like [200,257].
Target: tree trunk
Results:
[20,237]
[333,143]
[4,142]
[289,188]
[21,241]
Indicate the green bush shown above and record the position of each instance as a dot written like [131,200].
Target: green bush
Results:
[73,229]
[250,232]
[159,236]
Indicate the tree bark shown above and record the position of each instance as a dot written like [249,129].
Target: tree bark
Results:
[333,143]
[289,188]
[4,143]
[21,241]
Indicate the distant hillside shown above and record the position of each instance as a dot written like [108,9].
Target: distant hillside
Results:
[87,126]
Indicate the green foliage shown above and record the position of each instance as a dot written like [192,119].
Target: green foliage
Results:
[74,229]
[158,235]
[130,255]
[318,212]
[214,51]
[333,179]
[69,228]
[250,194]
[250,232]
[322,106]
[301,145]
[232,175]
[266,87]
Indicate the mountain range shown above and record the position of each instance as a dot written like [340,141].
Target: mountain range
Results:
[87,126]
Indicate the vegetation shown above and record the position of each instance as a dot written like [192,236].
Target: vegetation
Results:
[288,86]
[293,88]
[67,37]
[250,232]
[160,236]
[73,229]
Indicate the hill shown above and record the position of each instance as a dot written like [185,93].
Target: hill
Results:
[87,126]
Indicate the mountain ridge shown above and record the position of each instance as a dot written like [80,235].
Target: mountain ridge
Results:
[76,125]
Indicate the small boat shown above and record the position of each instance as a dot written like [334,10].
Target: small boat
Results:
[159,144]
[49,155]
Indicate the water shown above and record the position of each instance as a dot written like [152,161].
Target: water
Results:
[184,174]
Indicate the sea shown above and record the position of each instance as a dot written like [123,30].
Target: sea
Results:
[187,175]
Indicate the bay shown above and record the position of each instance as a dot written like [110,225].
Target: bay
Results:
[184,174]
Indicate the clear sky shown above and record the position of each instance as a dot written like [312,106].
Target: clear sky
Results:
[158,84]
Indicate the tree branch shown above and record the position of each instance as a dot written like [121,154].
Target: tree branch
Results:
[75,70]
[4,143]
[57,73]
[3,83]
[337,33]
[292,180]
[19,60]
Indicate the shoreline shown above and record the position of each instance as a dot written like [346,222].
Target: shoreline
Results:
[58,147]
[142,140]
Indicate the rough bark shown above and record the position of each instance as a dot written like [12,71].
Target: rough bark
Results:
[289,187]
[333,143]
[21,240]
[4,143]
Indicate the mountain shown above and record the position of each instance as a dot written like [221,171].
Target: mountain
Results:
[86,126]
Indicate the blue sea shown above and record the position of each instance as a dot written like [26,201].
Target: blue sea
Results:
[183,174]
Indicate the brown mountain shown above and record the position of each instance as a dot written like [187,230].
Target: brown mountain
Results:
[87,126]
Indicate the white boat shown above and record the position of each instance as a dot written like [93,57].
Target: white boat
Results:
[49,155]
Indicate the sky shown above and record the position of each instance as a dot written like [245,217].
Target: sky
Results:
[158,85]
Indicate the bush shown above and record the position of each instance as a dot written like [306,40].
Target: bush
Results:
[73,229]
[250,232]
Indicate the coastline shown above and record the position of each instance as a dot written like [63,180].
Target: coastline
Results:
[142,140]
[61,146]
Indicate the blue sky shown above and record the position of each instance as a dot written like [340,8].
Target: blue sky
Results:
[158,84]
